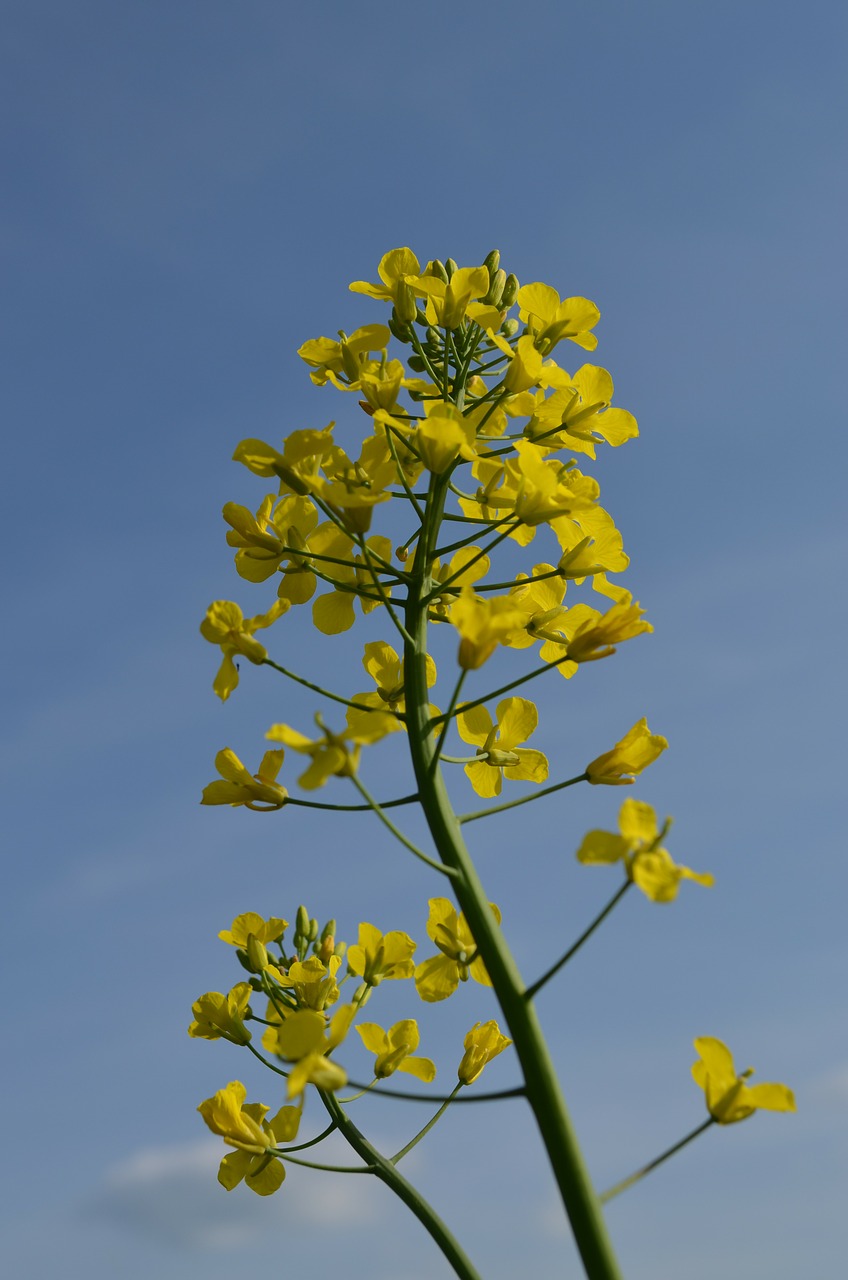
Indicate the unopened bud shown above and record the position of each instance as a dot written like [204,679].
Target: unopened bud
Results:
[256,953]
[492,261]
[416,364]
[434,338]
[244,960]
[496,288]
[509,327]
[399,329]
[302,921]
[420,315]
[327,948]
[450,267]
[402,554]
[313,930]
[510,290]
[405,303]
[437,269]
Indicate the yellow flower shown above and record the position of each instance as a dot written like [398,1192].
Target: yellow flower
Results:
[595,640]
[483,1042]
[438,977]
[394,1049]
[466,567]
[649,866]
[636,750]
[448,302]
[243,1125]
[236,786]
[297,466]
[334,754]
[250,925]
[550,320]
[226,625]
[395,266]
[313,983]
[334,613]
[381,955]
[218,1016]
[497,743]
[328,358]
[577,415]
[301,1039]
[729,1099]
[482,625]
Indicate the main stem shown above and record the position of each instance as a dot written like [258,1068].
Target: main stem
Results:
[542,1086]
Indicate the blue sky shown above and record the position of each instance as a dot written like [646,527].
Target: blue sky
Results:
[189,189]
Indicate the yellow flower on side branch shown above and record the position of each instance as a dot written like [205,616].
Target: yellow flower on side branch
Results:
[646,863]
[498,745]
[226,625]
[729,1097]
[243,1125]
[438,977]
[483,1042]
[636,750]
[394,1049]
[237,786]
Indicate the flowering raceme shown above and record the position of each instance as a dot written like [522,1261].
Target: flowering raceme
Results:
[467,449]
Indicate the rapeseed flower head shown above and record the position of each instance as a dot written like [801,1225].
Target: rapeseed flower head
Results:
[483,1042]
[482,625]
[498,745]
[550,320]
[394,1049]
[597,639]
[636,750]
[381,955]
[438,977]
[649,866]
[226,625]
[334,754]
[218,1016]
[251,925]
[303,1038]
[237,786]
[243,1125]
[729,1097]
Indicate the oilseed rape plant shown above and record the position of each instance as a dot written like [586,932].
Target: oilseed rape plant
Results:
[471,448]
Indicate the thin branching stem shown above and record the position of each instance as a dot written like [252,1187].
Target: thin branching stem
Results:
[575,947]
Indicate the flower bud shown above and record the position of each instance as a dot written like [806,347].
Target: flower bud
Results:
[416,364]
[450,267]
[405,304]
[420,315]
[492,261]
[399,329]
[434,338]
[510,327]
[496,288]
[510,291]
[437,269]
[302,922]
[256,954]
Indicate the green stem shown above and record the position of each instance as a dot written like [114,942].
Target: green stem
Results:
[585,935]
[428,1126]
[405,1191]
[653,1164]
[541,1083]
[514,804]
[513,684]
[448,717]
[328,1168]
[317,688]
[431,862]
[406,1095]
[381,594]
[351,808]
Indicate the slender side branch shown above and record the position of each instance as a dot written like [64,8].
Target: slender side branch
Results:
[653,1164]
[396,1182]
[419,853]
[585,935]
[513,804]
[317,688]
[428,1126]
